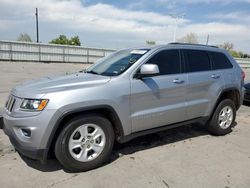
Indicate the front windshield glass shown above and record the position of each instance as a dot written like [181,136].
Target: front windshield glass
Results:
[117,63]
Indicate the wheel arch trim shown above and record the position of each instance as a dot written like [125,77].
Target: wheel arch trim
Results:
[221,94]
[58,123]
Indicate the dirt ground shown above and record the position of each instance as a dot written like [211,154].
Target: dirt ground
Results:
[183,157]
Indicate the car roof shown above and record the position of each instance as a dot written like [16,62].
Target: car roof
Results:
[182,45]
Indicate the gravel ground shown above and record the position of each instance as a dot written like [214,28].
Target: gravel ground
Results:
[183,157]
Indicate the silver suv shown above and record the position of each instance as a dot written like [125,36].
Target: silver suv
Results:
[130,93]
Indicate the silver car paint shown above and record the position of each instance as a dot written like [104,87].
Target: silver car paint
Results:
[139,104]
[149,95]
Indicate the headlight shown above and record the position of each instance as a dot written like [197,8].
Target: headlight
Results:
[34,104]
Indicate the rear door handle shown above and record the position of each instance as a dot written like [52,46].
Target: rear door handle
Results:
[177,81]
[215,76]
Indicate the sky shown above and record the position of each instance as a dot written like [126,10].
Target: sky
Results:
[120,24]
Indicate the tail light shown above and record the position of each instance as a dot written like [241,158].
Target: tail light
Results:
[243,75]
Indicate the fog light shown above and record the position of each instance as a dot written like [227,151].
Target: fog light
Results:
[26,132]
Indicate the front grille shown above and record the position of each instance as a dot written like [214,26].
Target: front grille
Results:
[10,103]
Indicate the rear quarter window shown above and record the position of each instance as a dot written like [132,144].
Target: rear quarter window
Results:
[220,60]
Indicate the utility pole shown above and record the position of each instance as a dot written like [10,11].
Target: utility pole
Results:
[37,29]
[207,39]
[177,18]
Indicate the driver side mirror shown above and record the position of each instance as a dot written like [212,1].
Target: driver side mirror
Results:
[148,70]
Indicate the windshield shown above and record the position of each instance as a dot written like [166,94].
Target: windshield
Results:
[117,63]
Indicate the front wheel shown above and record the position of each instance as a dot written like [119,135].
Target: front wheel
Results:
[223,118]
[85,143]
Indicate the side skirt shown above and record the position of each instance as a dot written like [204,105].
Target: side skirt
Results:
[123,139]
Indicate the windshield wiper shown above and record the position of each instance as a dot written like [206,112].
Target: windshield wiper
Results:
[91,72]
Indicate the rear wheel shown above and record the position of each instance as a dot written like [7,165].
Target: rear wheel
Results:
[223,118]
[85,143]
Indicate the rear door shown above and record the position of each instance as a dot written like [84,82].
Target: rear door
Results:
[222,64]
[160,100]
[204,83]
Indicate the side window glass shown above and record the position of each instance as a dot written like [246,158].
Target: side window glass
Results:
[220,60]
[197,60]
[168,62]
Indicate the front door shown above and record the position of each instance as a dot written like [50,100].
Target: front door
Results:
[160,100]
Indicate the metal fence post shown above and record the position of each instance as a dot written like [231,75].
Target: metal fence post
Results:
[39,52]
[87,55]
[11,54]
[103,53]
[64,54]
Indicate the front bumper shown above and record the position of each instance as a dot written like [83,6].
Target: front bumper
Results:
[35,146]
[33,153]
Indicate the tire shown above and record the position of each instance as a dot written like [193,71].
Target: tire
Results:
[215,125]
[74,132]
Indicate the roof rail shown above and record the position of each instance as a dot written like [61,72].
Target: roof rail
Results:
[179,43]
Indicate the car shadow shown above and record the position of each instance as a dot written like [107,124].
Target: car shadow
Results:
[245,103]
[51,165]
[167,137]
[138,144]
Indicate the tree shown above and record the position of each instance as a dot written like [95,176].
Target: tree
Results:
[239,54]
[75,41]
[24,37]
[246,56]
[189,38]
[227,46]
[234,54]
[62,39]
[230,48]
[150,42]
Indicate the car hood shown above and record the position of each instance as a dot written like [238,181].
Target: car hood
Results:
[42,86]
[247,86]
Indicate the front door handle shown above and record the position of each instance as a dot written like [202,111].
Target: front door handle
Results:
[177,81]
[215,76]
